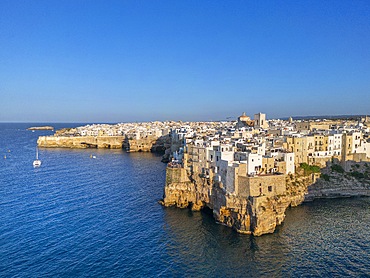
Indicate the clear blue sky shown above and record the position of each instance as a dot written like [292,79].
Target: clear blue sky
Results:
[113,61]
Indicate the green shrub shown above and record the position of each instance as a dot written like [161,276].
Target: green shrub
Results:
[325,177]
[309,169]
[337,168]
[357,175]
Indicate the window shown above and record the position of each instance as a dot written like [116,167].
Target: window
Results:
[269,188]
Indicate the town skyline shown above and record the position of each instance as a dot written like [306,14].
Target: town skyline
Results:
[194,61]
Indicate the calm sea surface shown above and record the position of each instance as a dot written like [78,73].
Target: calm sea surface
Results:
[81,217]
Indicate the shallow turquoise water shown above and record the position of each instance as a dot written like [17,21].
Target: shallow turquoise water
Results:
[77,216]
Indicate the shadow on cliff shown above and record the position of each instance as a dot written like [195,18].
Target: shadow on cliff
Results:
[163,146]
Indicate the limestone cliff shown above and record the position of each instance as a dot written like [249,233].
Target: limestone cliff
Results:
[261,214]
[251,215]
[81,142]
[140,145]
[336,182]
[148,144]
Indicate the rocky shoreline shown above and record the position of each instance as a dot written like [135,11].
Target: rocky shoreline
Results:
[255,215]
[161,145]
[245,213]
[352,183]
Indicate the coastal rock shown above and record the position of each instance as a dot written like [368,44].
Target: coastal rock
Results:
[260,215]
[354,183]
[65,138]
[249,215]
[81,142]
[41,128]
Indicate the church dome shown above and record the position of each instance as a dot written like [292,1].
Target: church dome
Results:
[244,118]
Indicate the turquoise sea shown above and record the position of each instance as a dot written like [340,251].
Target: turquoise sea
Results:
[81,217]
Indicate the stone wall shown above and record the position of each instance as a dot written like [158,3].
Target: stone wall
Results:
[267,185]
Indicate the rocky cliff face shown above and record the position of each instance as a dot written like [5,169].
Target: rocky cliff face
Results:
[80,142]
[260,215]
[252,215]
[148,144]
[338,186]
[140,145]
[337,183]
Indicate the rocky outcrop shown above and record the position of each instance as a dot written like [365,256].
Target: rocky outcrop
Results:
[338,186]
[66,132]
[336,183]
[260,215]
[41,128]
[179,190]
[140,145]
[250,215]
[147,144]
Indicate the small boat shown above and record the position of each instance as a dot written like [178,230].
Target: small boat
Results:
[37,162]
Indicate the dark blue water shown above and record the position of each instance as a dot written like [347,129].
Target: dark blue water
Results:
[82,217]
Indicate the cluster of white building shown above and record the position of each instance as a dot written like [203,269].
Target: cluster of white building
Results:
[132,130]
[263,147]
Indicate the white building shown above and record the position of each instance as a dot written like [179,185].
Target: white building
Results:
[254,163]
[335,144]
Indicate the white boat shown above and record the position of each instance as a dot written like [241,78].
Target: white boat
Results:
[37,162]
